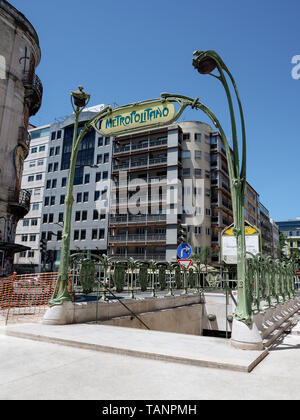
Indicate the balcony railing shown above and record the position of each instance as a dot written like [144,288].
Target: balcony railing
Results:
[144,238]
[20,202]
[140,146]
[33,91]
[143,218]
[140,163]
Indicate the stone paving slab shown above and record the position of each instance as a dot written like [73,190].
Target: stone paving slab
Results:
[181,348]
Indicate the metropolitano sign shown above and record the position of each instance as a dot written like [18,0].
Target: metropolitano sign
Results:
[138,117]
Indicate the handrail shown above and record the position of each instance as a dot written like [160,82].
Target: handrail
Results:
[134,314]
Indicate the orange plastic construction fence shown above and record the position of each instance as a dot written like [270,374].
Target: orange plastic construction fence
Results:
[25,296]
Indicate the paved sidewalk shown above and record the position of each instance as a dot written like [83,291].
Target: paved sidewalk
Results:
[31,369]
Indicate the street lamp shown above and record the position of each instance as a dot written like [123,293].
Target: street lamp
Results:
[79,100]
[206,63]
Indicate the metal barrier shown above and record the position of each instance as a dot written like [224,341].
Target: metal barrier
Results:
[25,297]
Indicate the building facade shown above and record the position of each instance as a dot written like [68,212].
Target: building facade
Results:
[134,193]
[20,97]
[91,188]
[291,231]
[33,181]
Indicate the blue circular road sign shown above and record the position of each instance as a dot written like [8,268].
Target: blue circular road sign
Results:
[184,251]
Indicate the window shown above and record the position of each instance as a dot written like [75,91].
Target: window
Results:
[50,167]
[59,235]
[106,157]
[197,230]
[186,172]
[62,199]
[207,212]
[96,195]
[40,163]
[186,154]
[77,216]
[79,197]
[186,136]
[50,219]
[107,141]
[94,233]
[52,200]
[102,216]
[87,178]
[26,222]
[101,233]
[197,136]
[197,250]
[98,177]
[30,254]
[32,238]
[34,150]
[30,178]
[53,135]
[85,197]
[84,215]
[57,150]
[198,154]
[39,177]
[99,159]
[45,218]
[54,183]
[46,201]
[60,217]
[207,230]
[55,167]
[32,164]
[105,175]
[198,173]
[23,254]
[100,141]
[58,134]
[51,151]
[42,148]
[34,222]
[24,238]
[95,215]
[82,234]
[36,134]
[76,235]
[35,206]
[64,182]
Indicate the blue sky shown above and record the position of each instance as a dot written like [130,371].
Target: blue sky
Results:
[126,51]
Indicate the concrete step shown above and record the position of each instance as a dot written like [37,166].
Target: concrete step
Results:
[170,347]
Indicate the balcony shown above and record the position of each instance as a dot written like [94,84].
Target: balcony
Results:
[145,145]
[146,256]
[20,205]
[140,219]
[137,238]
[33,91]
[139,163]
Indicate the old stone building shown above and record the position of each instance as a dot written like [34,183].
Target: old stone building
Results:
[20,97]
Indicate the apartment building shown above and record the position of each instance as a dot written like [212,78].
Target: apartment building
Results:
[265,227]
[133,193]
[291,230]
[91,188]
[160,180]
[33,181]
[145,206]
[221,204]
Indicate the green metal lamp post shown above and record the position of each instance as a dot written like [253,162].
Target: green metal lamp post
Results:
[205,63]
[79,100]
